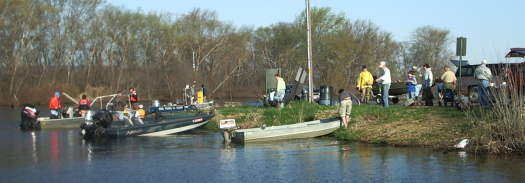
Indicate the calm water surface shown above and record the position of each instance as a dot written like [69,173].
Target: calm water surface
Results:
[60,155]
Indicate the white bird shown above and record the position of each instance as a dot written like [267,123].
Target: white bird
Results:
[462,144]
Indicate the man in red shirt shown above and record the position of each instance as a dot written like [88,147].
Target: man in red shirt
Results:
[54,106]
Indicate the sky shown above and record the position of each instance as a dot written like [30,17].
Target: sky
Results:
[491,26]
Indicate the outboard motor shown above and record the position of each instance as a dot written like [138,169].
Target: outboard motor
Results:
[29,118]
[97,125]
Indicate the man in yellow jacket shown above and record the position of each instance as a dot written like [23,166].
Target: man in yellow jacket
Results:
[364,84]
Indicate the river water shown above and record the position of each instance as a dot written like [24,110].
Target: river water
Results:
[60,155]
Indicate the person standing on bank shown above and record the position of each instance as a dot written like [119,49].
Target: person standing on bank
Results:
[449,78]
[483,74]
[419,77]
[54,106]
[411,86]
[364,83]
[427,85]
[281,88]
[345,107]
[385,80]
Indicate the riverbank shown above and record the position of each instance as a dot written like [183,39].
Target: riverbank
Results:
[436,127]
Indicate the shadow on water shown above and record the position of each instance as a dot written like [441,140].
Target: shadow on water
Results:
[60,155]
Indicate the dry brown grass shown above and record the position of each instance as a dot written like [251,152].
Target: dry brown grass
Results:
[426,132]
[417,126]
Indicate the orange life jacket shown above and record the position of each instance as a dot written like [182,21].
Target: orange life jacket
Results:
[83,104]
[142,113]
[54,103]
[133,97]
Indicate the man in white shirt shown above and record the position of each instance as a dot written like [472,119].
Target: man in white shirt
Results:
[428,80]
[483,74]
[385,80]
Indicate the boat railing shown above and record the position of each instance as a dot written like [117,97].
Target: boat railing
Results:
[100,99]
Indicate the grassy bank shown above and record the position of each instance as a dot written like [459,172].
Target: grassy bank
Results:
[413,126]
[251,117]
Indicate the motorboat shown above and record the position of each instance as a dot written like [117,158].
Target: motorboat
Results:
[294,131]
[110,124]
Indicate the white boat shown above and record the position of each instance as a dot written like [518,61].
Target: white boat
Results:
[74,122]
[294,131]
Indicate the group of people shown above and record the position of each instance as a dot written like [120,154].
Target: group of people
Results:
[366,80]
[190,93]
[446,85]
[119,103]
[84,105]
[419,82]
[55,106]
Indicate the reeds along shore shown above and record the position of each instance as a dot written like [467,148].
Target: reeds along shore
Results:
[501,129]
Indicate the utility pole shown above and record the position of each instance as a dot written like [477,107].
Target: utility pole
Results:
[193,65]
[309,45]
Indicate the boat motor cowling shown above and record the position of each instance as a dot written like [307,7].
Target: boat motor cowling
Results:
[97,125]
[103,118]
[29,118]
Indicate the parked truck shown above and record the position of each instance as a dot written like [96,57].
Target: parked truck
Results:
[504,75]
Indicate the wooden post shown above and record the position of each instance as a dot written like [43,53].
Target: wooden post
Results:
[70,98]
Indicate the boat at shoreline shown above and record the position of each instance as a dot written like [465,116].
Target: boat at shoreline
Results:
[294,131]
[151,126]
[156,107]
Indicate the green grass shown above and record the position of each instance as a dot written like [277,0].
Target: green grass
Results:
[427,126]
[397,113]
[347,135]
[292,113]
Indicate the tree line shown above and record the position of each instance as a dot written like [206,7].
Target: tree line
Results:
[89,45]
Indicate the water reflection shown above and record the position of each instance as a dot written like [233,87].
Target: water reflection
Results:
[33,145]
[62,156]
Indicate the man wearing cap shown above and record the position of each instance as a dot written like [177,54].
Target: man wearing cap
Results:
[54,106]
[483,74]
[385,81]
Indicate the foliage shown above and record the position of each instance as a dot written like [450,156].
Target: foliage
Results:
[347,135]
[428,45]
[81,45]
[501,128]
